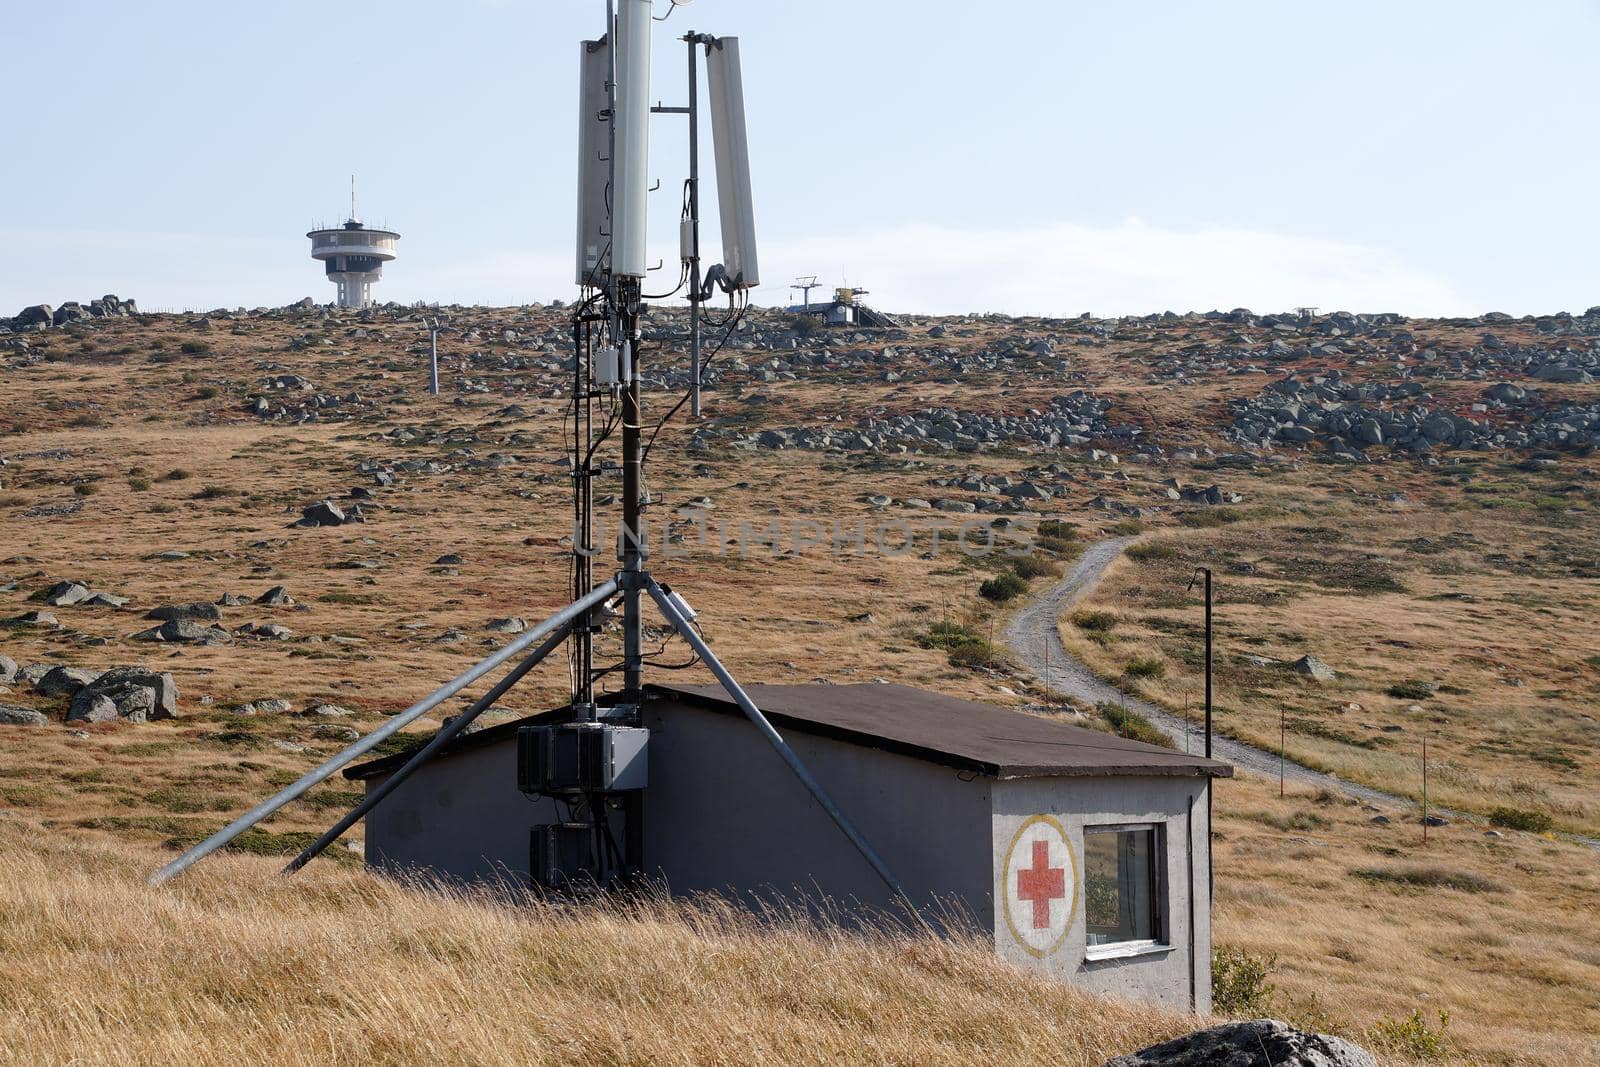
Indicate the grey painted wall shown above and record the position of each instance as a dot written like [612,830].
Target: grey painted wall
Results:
[723,811]
[461,817]
[1179,804]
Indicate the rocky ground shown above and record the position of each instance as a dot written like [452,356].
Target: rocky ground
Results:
[230,542]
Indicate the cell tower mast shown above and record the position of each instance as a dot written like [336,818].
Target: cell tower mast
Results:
[609,346]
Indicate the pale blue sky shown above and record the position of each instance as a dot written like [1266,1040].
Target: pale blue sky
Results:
[1027,156]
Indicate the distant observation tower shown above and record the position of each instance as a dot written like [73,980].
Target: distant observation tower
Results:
[353,256]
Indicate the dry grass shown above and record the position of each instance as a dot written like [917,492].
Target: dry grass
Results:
[1490,620]
[1485,929]
[342,967]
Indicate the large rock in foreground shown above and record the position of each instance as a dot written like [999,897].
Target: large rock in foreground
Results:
[1258,1043]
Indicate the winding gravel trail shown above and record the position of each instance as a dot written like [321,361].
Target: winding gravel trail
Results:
[1033,629]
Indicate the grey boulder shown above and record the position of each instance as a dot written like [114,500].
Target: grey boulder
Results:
[1314,668]
[197,611]
[184,632]
[36,315]
[12,715]
[64,681]
[65,594]
[8,670]
[1258,1043]
[131,693]
[323,513]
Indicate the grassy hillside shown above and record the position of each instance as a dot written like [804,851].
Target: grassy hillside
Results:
[340,967]
[1454,593]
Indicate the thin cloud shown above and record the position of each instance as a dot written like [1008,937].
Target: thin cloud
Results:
[1129,268]
[1061,269]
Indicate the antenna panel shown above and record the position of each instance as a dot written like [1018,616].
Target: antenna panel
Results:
[732,147]
[594,70]
[629,198]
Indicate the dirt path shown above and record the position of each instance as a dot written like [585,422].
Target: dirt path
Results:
[1033,629]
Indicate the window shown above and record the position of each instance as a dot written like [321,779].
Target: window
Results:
[1122,886]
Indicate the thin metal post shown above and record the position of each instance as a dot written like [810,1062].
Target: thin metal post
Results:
[1424,790]
[633,534]
[366,744]
[1208,661]
[1282,721]
[433,358]
[1211,867]
[693,40]
[446,735]
[776,740]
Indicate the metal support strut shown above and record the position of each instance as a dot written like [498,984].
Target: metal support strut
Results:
[557,621]
[428,751]
[753,713]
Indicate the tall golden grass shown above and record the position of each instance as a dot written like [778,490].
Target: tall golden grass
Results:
[227,965]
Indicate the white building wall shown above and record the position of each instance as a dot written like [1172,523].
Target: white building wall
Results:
[1177,976]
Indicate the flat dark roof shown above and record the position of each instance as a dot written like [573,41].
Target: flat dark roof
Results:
[957,733]
[911,722]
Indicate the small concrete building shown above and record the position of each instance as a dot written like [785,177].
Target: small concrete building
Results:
[1082,854]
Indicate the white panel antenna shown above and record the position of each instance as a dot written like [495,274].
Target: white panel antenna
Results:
[594,170]
[732,146]
[629,199]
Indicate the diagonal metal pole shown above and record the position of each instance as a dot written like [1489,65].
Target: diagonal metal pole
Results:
[439,740]
[560,619]
[753,713]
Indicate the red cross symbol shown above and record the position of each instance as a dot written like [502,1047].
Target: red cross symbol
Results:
[1040,884]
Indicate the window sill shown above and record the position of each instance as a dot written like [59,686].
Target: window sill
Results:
[1124,950]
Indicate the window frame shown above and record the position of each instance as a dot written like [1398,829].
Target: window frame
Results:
[1160,923]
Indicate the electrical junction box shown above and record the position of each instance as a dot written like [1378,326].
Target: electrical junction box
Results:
[581,757]
[561,854]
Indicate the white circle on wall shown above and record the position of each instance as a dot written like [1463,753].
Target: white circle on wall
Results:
[1039,885]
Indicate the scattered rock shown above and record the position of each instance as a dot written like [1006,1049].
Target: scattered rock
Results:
[31,674]
[92,707]
[329,711]
[198,611]
[276,597]
[274,706]
[13,715]
[1314,668]
[64,681]
[65,594]
[323,513]
[8,670]
[182,631]
[1258,1043]
[512,625]
[267,631]
[34,618]
[133,693]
